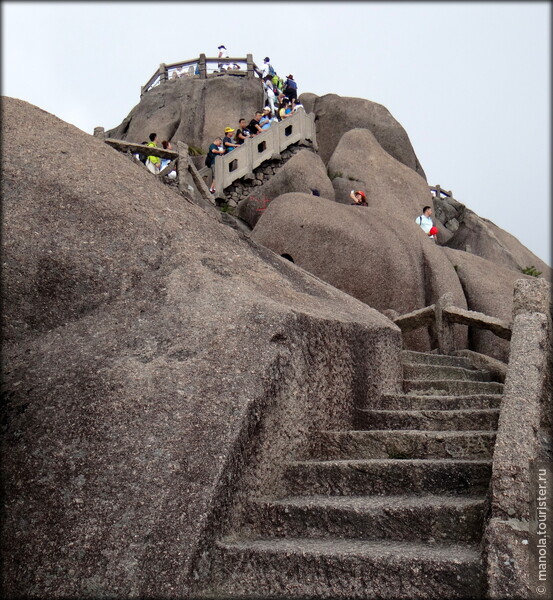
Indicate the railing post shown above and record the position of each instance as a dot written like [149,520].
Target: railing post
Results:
[182,168]
[274,142]
[219,177]
[99,132]
[313,129]
[249,60]
[202,66]
[162,73]
[519,455]
[444,329]
[141,91]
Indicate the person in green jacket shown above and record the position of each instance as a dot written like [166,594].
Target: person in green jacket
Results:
[154,161]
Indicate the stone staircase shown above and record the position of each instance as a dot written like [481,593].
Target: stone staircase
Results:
[393,509]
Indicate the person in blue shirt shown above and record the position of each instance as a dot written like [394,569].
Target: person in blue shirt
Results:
[291,88]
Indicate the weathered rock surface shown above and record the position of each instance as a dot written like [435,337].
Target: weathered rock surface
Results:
[388,264]
[488,289]
[144,345]
[485,239]
[192,110]
[338,114]
[388,183]
[304,171]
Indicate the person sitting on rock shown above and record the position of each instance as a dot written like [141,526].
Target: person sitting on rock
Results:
[216,148]
[228,143]
[426,224]
[154,162]
[254,126]
[242,133]
[291,88]
[359,198]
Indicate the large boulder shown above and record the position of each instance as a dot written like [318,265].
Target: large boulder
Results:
[302,173]
[389,184]
[335,115]
[488,289]
[192,110]
[388,264]
[145,344]
[485,239]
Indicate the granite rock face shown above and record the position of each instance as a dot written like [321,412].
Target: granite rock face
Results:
[335,115]
[485,239]
[488,289]
[386,264]
[192,110]
[388,183]
[142,352]
[304,171]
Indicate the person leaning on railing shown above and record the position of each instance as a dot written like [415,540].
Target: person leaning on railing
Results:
[242,132]
[228,143]
[153,162]
[215,148]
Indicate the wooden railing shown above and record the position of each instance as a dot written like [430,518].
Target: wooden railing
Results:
[444,315]
[268,145]
[180,162]
[202,68]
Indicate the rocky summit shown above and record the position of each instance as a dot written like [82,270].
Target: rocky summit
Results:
[264,392]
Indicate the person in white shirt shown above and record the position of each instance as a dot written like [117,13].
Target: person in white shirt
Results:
[426,224]
[223,54]
[267,69]
[268,87]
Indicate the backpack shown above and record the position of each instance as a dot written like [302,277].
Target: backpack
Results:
[272,72]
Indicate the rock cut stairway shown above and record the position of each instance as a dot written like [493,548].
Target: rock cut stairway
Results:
[392,509]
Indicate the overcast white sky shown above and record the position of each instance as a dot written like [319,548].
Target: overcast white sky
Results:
[469,81]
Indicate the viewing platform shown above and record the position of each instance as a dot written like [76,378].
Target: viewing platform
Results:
[202,68]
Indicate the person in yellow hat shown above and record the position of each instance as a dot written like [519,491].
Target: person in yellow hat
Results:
[228,142]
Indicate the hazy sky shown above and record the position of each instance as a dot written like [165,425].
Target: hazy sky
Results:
[469,81]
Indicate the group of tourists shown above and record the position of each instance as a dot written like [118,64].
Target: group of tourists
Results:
[155,164]
[278,92]
[282,102]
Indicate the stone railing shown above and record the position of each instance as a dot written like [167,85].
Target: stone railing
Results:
[522,473]
[240,162]
[444,316]
[202,68]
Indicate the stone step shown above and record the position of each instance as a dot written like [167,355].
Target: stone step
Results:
[335,568]
[402,444]
[421,371]
[430,518]
[410,356]
[426,402]
[480,419]
[450,387]
[387,477]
